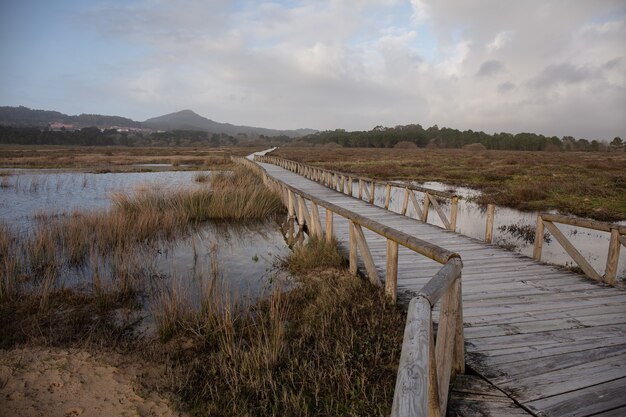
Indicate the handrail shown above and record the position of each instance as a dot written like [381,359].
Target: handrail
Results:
[616,240]
[337,181]
[426,365]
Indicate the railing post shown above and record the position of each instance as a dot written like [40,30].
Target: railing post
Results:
[489,226]
[458,365]
[387,196]
[405,203]
[538,238]
[329,225]
[290,203]
[354,260]
[391,278]
[454,208]
[315,220]
[373,192]
[350,186]
[360,189]
[445,347]
[426,207]
[610,274]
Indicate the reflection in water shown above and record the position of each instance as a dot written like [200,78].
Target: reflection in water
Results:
[244,255]
[28,192]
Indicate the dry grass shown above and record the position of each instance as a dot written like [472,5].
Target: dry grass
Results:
[108,243]
[104,159]
[314,254]
[330,346]
[584,184]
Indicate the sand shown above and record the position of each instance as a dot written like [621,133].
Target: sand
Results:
[68,383]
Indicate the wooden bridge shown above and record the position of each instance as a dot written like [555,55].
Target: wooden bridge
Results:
[524,338]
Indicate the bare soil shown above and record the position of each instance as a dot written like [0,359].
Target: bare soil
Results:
[68,382]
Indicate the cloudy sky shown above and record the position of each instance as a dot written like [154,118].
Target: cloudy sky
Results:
[552,67]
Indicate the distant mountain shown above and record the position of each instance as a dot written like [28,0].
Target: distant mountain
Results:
[24,117]
[189,120]
[183,120]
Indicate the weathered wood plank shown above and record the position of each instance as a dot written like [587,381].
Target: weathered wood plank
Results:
[412,380]
[584,402]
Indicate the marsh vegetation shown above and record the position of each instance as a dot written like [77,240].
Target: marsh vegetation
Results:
[584,184]
[326,344]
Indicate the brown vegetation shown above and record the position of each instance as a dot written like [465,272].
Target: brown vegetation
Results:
[327,347]
[584,184]
[103,159]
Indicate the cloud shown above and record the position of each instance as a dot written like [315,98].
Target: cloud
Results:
[500,40]
[490,68]
[505,87]
[484,65]
[420,11]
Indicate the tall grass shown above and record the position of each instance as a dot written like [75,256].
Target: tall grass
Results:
[327,347]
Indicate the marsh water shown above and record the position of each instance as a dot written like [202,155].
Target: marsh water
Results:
[243,255]
[513,229]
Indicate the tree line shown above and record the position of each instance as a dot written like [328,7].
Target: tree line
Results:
[93,136]
[384,137]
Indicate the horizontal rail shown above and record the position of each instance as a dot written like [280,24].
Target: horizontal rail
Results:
[616,240]
[420,246]
[426,365]
[337,181]
[443,194]
[586,223]
[437,286]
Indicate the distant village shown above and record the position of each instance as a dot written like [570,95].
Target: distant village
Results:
[59,126]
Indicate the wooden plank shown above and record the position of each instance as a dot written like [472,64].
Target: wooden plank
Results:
[584,402]
[616,412]
[568,379]
[538,366]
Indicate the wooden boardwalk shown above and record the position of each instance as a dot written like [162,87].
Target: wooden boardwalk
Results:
[541,341]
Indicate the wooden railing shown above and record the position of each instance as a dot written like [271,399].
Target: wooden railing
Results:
[366,190]
[616,240]
[427,364]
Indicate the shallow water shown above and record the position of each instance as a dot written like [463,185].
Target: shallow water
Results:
[26,193]
[471,221]
[244,255]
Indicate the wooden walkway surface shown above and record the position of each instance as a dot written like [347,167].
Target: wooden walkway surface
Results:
[552,341]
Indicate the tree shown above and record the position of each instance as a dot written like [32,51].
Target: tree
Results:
[617,141]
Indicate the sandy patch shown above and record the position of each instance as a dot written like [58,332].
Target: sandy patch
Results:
[69,383]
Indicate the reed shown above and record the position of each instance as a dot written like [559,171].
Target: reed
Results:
[329,346]
[316,253]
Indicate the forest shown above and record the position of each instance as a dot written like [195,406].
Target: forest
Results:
[434,137]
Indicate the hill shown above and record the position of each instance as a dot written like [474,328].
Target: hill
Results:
[183,120]
[24,117]
[189,120]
